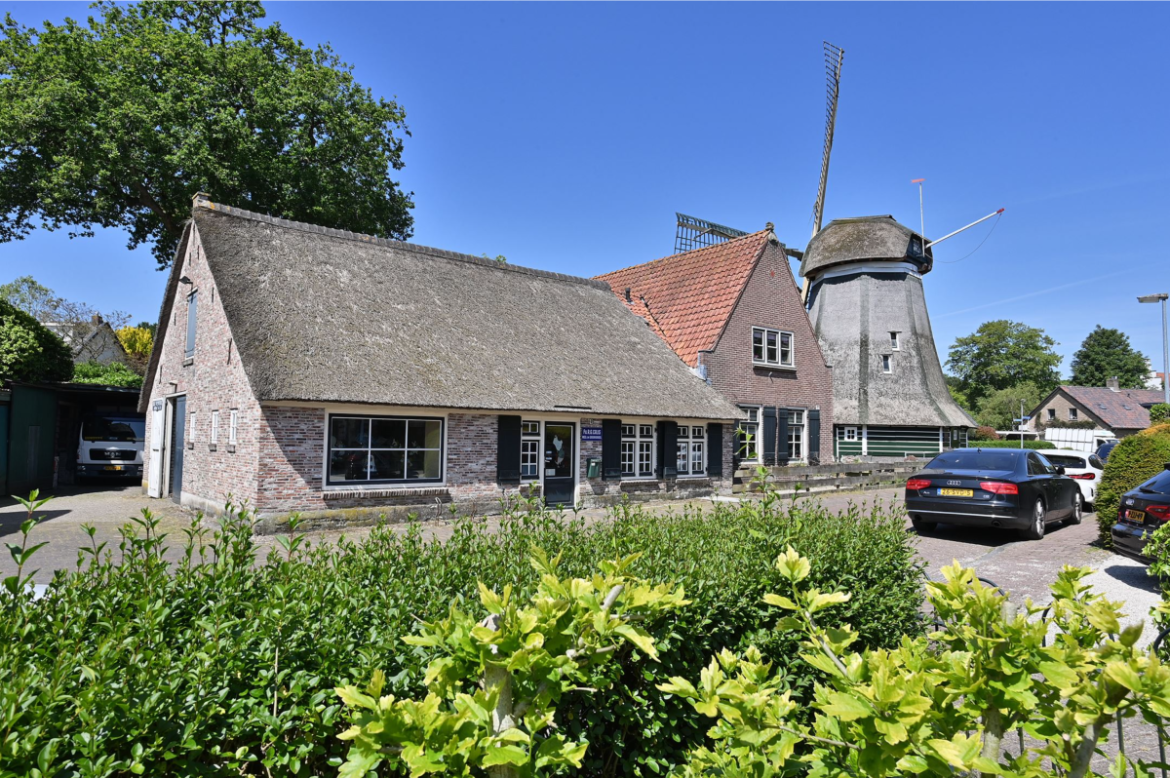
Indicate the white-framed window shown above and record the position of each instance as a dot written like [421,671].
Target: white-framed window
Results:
[529,450]
[1072,414]
[772,347]
[796,434]
[384,449]
[894,342]
[214,427]
[1052,414]
[194,425]
[850,434]
[748,434]
[887,363]
[233,426]
[691,450]
[638,450]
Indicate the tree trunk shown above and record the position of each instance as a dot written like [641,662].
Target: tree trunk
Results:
[499,679]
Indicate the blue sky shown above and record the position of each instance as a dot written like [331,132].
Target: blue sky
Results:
[565,136]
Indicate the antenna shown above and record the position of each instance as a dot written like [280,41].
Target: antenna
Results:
[834,56]
[921,212]
[695,233]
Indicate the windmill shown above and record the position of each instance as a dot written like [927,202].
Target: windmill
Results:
[834,58]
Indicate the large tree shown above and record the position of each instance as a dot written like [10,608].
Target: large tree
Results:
[1106,353]
[999,408]
[120,121]
[72,321]
[1003,354]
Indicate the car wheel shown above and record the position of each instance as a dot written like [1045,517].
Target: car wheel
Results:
[923,527]
[1078,510]
[1036,530]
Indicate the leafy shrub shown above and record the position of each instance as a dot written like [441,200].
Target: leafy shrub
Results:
[1131,462]
[985,433]
[1159,429]
[1035,445]
[1065,424]
[28,350]
[113,374]
[222,664]
[1160,413]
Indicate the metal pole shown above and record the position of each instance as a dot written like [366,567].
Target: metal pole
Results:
[956,232]
[1165,357]
[921,213]
[1020,426]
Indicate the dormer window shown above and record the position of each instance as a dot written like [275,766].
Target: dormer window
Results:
[772,348]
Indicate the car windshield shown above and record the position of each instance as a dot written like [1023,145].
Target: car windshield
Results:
[973,459]
[1103,452]
[1159,483]
[1064,460]
[120,430]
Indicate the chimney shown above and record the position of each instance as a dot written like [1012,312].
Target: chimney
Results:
[628,298]
[97,318]
[1114,384]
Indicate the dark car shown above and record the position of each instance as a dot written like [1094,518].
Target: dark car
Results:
[993,487]
[1142,511]
[1106,448]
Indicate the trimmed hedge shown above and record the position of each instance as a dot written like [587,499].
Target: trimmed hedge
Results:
[1035,445]
[1158,429]
[1160,413]
[1134,460]
[223,665]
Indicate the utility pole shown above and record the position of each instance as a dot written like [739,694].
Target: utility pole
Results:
[1154,298]
[1020,426]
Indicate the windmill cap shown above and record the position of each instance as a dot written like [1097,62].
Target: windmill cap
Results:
[864,239]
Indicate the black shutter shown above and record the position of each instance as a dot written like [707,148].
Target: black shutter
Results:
[508,451]
[814,437]
[782,452]
[667,450]
[611,449]
[769,442]
[715,450]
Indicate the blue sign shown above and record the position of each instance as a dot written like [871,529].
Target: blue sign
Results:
[591,433]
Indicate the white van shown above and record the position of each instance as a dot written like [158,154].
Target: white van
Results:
[111,447]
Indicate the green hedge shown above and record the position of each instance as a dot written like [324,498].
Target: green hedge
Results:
[1035,445]
[1134,460]
[222,665]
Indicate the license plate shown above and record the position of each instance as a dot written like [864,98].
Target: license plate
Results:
[1137,517]
[956,493]
[113,467]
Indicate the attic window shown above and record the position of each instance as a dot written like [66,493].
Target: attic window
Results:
[772,347]
[192,309]
[887,363]
[1052,414]
[894,341]
[1072,414]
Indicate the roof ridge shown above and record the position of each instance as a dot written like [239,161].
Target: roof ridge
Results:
[243,213]
[683,253]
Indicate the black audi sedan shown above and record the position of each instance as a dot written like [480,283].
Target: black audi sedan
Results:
[992,487]
[1142,511]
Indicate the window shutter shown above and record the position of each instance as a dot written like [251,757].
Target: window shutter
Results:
[192,305]
[611,449]
[715,450]
[667,455]
[814,437]
[782,452]
[508,451]
[769,435]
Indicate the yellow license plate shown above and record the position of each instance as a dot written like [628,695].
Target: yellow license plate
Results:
[113,467]
[1133,515]
[956,493]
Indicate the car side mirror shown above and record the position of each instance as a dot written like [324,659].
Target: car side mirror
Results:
[1059,470]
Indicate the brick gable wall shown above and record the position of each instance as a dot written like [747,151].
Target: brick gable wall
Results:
[771,299]
[213,380]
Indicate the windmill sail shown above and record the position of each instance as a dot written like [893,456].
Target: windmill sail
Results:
[834,56]
[695,233]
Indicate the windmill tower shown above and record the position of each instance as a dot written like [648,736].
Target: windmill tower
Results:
[864,293]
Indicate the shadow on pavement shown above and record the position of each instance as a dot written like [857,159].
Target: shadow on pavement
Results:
[1133,574]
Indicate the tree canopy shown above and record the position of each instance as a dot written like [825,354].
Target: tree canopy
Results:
[1106,353]
[28,351]
[1000,407]
[120,121]
[1003,354]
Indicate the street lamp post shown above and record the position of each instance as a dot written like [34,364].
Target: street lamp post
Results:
[1161,298]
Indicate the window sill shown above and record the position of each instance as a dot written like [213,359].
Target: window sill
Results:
[770,366]
[335,493]
[188,361]
[190,445]
[212,446]
[231,448]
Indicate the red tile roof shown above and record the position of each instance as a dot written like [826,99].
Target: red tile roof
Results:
[687,298]
[1123,409]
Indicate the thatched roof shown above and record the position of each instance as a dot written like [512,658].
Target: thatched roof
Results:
[323,315]
[864,238]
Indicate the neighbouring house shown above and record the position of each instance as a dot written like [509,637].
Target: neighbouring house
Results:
[90,341]
[307,369]
[1111,412]
[732,312]
[868,309]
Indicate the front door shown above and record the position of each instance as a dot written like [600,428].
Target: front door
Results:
[154,476]
[178,428]
[560,465]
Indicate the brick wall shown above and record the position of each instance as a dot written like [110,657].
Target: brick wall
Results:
[213,379]
[771,299]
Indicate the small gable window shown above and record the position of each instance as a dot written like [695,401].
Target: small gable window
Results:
[771,347]
[887,363]
[192,306]
[1072,414]
[894,342]
[1051,414]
